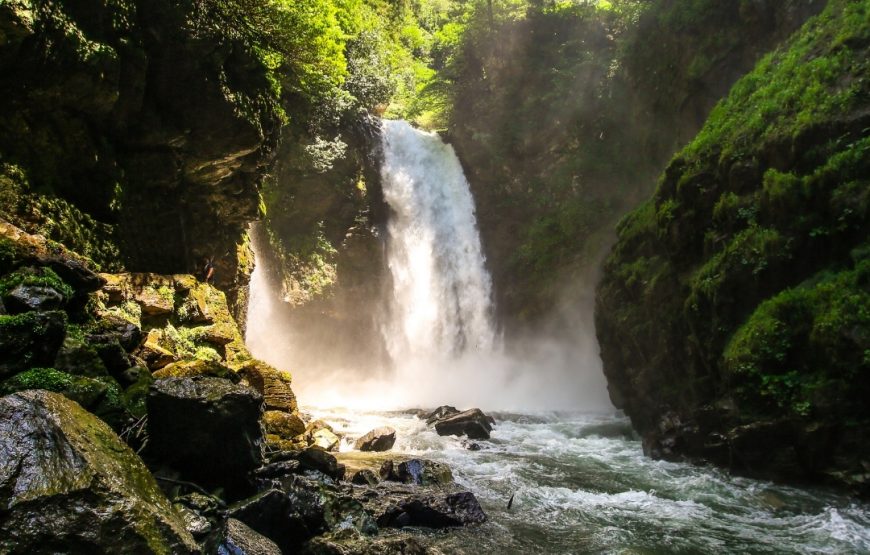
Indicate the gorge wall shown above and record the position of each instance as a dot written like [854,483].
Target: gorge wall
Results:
[564,115]
[732,314]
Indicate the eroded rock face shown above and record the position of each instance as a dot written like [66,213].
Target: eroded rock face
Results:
[71,485]
[207,428]
[242,539]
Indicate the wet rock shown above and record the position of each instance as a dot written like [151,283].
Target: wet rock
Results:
[111,353]
[472,423]
[455,509]
[30,340]
[320,434]
[470,445]
[128,334]
[241,539]
[155,355]
[24,298]
[441,412]
[364,477]
[421,472]
[317,459]
[197,525]
[266,474]
[71,485]
[283,424]
[273,384]
[287,517]
[194,367]
[207,428]
[379,439]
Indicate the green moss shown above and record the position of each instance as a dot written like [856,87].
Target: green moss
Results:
[100,396]
[794,88]
[39,277]
[807,346]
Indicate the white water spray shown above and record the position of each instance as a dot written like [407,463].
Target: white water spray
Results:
[439,329]
[441,302]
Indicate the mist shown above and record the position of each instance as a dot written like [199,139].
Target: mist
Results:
[439,341]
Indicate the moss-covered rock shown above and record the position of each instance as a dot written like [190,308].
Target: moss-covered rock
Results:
[731,312]
[101,397]
[30,339]
[73,485]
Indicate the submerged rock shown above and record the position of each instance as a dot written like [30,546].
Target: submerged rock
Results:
[207,428]
[71,485]
[379,439]
[472,423]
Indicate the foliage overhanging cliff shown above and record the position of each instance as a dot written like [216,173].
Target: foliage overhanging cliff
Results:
[733,313]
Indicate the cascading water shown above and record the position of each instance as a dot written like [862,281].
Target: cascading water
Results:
[580,481]
[441,301]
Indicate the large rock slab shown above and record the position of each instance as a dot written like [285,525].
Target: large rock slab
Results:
[379,439]
[207,428]
[71,485]
[472,423]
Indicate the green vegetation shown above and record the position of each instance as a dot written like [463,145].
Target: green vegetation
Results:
[752,255]
[38,277]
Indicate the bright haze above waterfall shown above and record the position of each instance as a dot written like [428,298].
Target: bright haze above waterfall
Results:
[437,318]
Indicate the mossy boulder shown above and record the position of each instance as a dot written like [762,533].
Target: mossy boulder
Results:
[208,428]
[30,339]
[101,396]
[72,485]
[34,289]
[283,424]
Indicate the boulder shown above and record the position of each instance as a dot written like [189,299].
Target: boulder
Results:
[273,384]
[24,298]
[154,353]
[441,412]
[71,485]
[472,423]
[315,458]
[283,424]
[379,439]
[421,472]
[320,434]
[208,429]
[30,340]
[192,368]
[241,539]
[287,517]
[455,509]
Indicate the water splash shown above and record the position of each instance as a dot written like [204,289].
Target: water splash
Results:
[441,304]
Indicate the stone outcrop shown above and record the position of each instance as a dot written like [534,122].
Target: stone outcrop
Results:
[70,484]
[208,429]
[123,105]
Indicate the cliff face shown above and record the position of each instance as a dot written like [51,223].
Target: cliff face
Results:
[732,314]
[144,125]
[564,117]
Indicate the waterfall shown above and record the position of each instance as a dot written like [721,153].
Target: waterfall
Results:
[441,301]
